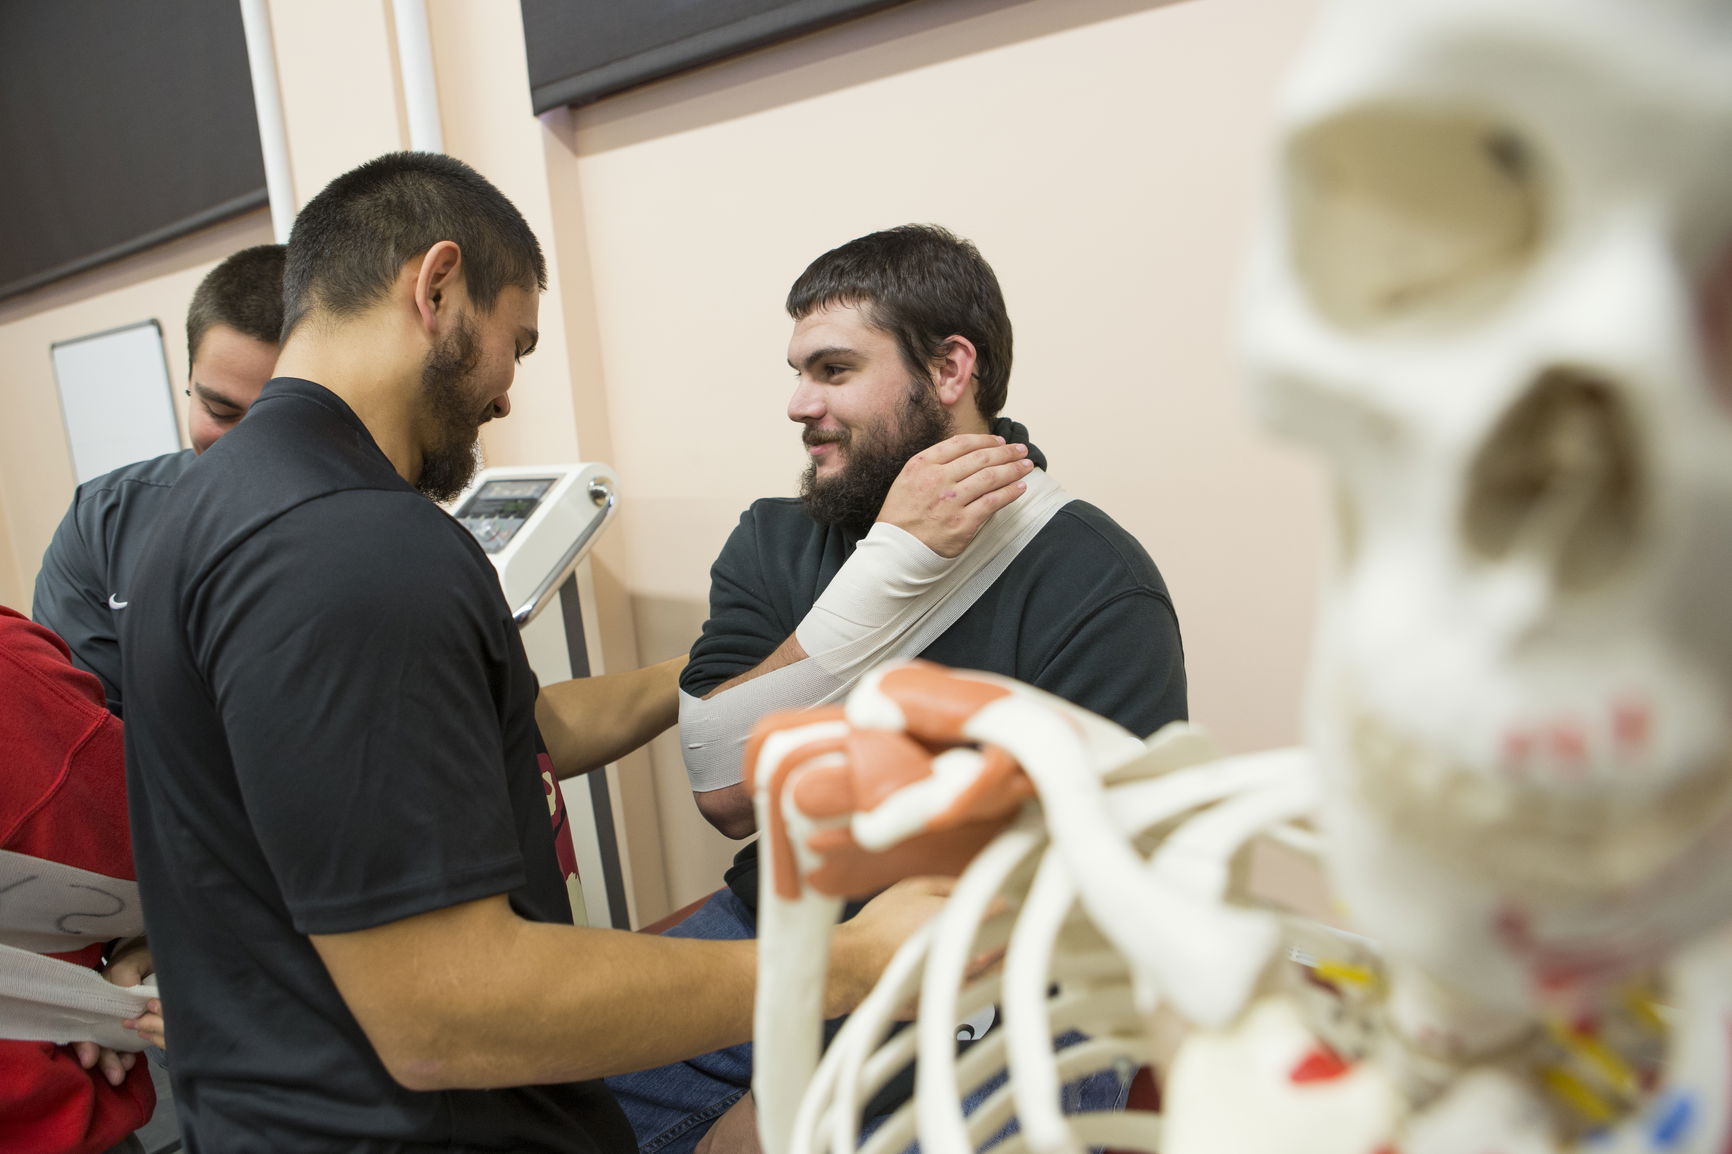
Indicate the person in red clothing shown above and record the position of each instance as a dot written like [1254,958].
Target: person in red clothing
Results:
[63,799]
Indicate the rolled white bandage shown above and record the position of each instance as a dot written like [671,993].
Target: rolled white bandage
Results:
[47,1000]
[51,907]
[713,730]
[886,586]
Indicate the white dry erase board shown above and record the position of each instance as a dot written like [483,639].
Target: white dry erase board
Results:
[115,398]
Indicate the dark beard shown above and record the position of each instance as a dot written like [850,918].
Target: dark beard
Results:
[851,499]
[449,465]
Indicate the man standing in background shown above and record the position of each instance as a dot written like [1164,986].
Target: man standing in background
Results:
[232,327]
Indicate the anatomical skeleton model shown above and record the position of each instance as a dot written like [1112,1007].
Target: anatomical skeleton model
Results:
[1495,288]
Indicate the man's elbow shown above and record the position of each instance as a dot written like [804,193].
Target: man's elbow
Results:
[428,1040]
[729,810]
[423,1060]
[424,1074]
[735,827]
[455,1057]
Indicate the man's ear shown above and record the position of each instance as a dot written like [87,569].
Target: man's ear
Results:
[953,371]
[438,279]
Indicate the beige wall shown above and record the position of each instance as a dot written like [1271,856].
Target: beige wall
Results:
[36,478]
[1104,154]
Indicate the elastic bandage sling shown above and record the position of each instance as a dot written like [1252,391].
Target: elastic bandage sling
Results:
[891,599]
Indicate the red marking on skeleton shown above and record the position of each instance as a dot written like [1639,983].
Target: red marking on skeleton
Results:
[882,763]
[878,762]
[1632,724]
[1512,928]
[935,702]
[775,723]
[786,873]
[1567,977]
[1518,749]
[1574,979]
[1569,745]
[847,870]
[1555,981]
[1320,1065]
[824,791]
[874,765]
[997,790]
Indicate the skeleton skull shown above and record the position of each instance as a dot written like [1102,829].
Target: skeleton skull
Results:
[1495,289]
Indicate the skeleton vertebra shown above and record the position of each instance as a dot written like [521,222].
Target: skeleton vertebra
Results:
[1495,290]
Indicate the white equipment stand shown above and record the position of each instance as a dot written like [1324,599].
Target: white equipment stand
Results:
[537,524]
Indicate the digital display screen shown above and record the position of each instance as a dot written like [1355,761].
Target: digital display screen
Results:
[503,509]
[527,488]
[499,509]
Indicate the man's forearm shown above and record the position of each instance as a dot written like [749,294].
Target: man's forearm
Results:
[474,997]
[544,1003]
[590,721]
[785,654]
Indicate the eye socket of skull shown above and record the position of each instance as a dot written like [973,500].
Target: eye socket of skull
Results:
[1411,215]
[1559,481]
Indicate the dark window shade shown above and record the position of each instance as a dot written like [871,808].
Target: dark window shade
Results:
[122,125]
[582,50]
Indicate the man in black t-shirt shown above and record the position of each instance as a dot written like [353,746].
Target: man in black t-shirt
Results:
[347,841]
[902,350]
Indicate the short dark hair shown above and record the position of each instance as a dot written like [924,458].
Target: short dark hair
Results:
[921,284]
[353,238]
[244,292]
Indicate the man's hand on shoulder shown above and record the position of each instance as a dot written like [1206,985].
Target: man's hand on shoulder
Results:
[945,493]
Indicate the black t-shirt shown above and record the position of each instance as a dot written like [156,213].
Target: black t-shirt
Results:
[1082,612]
[330,727]
[86,572]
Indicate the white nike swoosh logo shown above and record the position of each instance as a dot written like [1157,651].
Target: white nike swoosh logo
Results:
[113,604]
